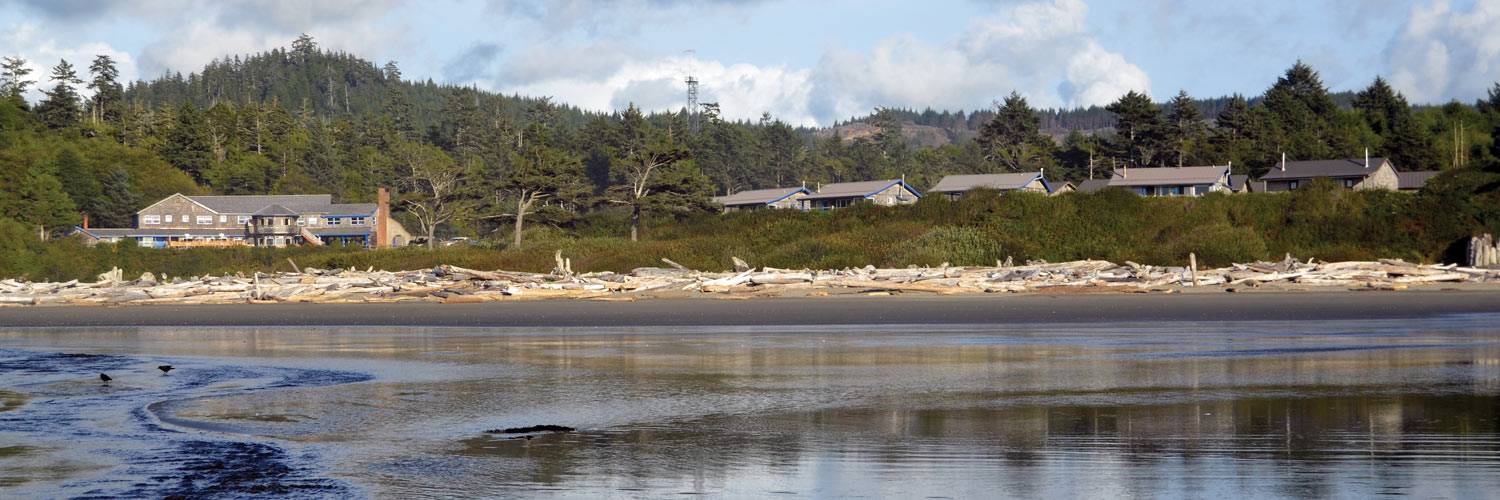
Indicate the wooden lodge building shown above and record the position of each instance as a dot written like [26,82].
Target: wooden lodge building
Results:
[265,221]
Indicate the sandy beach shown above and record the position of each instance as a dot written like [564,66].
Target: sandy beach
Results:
[908,309]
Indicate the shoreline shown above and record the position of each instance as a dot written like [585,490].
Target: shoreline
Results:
[838,310]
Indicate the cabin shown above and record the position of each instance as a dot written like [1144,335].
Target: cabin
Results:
[1064,188]
[181,221]
[842,194]
[1091,185]
[1351,173]
[760,199]
[1242,183]
[1173,181]
[954,186]
[1408,182]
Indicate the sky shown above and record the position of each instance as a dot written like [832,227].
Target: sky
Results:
[807,62]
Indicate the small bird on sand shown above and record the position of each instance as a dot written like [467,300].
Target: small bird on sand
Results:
[164,369]
[104,378]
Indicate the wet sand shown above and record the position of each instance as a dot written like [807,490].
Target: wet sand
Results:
[1082,308]
[1197,409]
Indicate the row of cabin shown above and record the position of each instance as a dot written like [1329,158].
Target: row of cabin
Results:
[1369,173]
[825,197]
[263,221]
[1351,173]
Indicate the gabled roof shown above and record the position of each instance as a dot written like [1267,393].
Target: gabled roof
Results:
[759,196]
[1168,176]
[275,211]
[1091,185]
[1414,180]
[962,183]
[857,189]
[252,203]
[349,209]
[1244,184]
[1343,167]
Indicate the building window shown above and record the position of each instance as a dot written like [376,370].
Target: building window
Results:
[1291,185]
[205,219]
[242,219]
[223,219]
[1349,183]
[147,242]
[169,219]
[302,221]
[356,221]
[153,219]
[332,221]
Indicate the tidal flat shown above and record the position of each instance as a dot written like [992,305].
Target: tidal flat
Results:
[1271,408]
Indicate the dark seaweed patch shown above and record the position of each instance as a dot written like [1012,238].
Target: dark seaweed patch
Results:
[532,429]
[29,362]
[234,469]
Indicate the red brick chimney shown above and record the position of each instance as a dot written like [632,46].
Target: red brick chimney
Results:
[85,221]
[382,214]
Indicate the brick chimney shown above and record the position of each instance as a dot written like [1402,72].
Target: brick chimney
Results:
[382,215]
[85,221]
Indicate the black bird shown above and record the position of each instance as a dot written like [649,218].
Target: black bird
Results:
[104,378]
[164,369]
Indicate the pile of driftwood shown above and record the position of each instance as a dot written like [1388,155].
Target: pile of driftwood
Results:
[452,284]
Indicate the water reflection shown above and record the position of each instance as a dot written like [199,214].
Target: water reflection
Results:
[1176,409]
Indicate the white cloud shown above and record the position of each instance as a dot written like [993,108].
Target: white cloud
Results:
[744,91]
[43,52]
[1443,53]
[242,27]
[1041,49]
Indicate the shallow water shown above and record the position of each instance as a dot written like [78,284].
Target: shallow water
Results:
[1200,409]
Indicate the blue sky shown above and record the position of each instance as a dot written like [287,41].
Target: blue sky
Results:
[808,62]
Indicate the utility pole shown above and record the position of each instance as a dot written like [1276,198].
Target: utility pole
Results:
[692,91]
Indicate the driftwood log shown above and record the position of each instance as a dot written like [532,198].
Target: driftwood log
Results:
[453,284]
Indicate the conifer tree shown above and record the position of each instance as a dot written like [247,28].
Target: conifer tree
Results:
[187,146]
[13,78]
[78,181]
[1138,130]
[104,106]
[60,107]
[117,209]
[1184,127]
[1013,137]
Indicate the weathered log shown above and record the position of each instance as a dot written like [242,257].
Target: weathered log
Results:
[780,278]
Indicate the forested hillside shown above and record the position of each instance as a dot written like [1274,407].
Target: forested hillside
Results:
[466,162]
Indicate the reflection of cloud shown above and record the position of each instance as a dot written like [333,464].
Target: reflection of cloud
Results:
[1441,53]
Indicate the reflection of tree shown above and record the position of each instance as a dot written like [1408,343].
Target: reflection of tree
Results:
[1024,443]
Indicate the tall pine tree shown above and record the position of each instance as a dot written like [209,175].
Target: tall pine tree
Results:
[1139,138]
[60,109]
[1185,130]
[105,105]
[1013,137]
